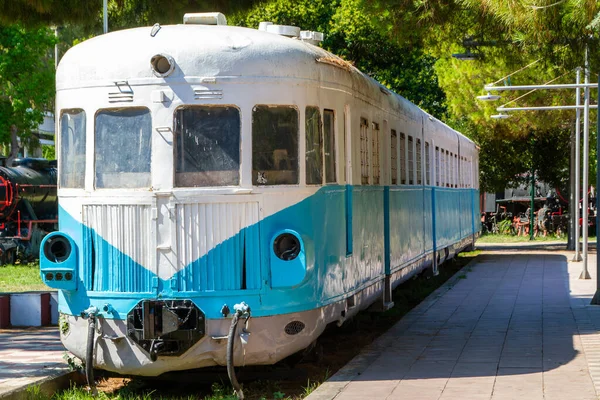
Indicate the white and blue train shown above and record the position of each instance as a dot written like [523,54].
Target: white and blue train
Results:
[209,172]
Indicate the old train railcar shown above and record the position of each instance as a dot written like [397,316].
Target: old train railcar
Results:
[210,172]
[28,207]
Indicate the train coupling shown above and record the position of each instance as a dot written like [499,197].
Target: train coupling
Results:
[165,327]
[90,312]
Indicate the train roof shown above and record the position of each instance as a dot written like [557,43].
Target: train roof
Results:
[215,51]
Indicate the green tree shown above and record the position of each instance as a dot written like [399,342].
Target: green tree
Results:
[363,39]
[26,83]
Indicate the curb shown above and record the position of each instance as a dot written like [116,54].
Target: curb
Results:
[28,309]
[329,389]
[46,386]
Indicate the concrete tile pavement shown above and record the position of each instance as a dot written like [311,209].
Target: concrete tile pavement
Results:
[518,327]
[29,356]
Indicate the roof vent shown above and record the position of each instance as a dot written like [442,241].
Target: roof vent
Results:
[311,37]
[215,18]
[283,30]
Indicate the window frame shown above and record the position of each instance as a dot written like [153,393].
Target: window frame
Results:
[175,145]
[298,155]
[95,172]
[61,147]
[333,157]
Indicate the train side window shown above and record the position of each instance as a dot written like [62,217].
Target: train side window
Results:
[456,171]
[329,136]
[364,152]
[442,167]
[130,131]
[72,149]
[394,157]
[207,146]
[314,146]
[402,158]
[411,161]
[376,169]
[451,169]
[427,165]
[274,145]
[437,166]
[419,166]
[447,173]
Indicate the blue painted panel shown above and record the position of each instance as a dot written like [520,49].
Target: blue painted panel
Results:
[407,224]
[348,220]
[320,220]
[287,273]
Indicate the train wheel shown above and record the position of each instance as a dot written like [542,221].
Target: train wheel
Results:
[8,257]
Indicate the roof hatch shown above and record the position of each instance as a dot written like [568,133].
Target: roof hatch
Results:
[214,18]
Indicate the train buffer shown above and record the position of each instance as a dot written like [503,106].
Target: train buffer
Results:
[511,325]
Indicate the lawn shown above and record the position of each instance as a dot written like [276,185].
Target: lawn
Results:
[21,278]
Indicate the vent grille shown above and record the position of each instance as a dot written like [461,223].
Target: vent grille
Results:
[117,97]
[201,94]
[117,248]
[218,246]
[294,327]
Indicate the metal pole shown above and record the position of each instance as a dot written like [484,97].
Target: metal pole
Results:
[105,15]
[531,214]
[544,87]
[575,212]
[545,108]
[596,298]
[586,150]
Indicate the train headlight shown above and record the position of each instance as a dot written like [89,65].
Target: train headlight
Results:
[58,261]
[162,65]
[57,248]
[286,246]
[288,261]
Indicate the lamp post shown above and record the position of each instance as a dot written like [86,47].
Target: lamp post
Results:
[586,107]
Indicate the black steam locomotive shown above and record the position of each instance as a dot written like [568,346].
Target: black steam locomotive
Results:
[28,207]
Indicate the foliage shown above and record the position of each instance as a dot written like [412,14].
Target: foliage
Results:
[352,33]
[49,152]
[26,82]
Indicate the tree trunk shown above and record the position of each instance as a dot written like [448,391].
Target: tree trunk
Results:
[572,206]
[14,146]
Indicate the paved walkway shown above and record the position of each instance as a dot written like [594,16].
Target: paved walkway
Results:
[29,356]
[511,325]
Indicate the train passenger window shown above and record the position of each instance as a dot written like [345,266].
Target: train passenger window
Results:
[447,172]
[207,146]
[402,158]
[329,132]
[456,170]
[314,146]
[274,145]
[394,157]
[437,166]
[411,162]
[419,166]
[364,152]
[376,169]
[443,168]
[130,131]
[72,149]
[427,165]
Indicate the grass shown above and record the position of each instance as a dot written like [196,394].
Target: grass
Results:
[21,278]
[500,238]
